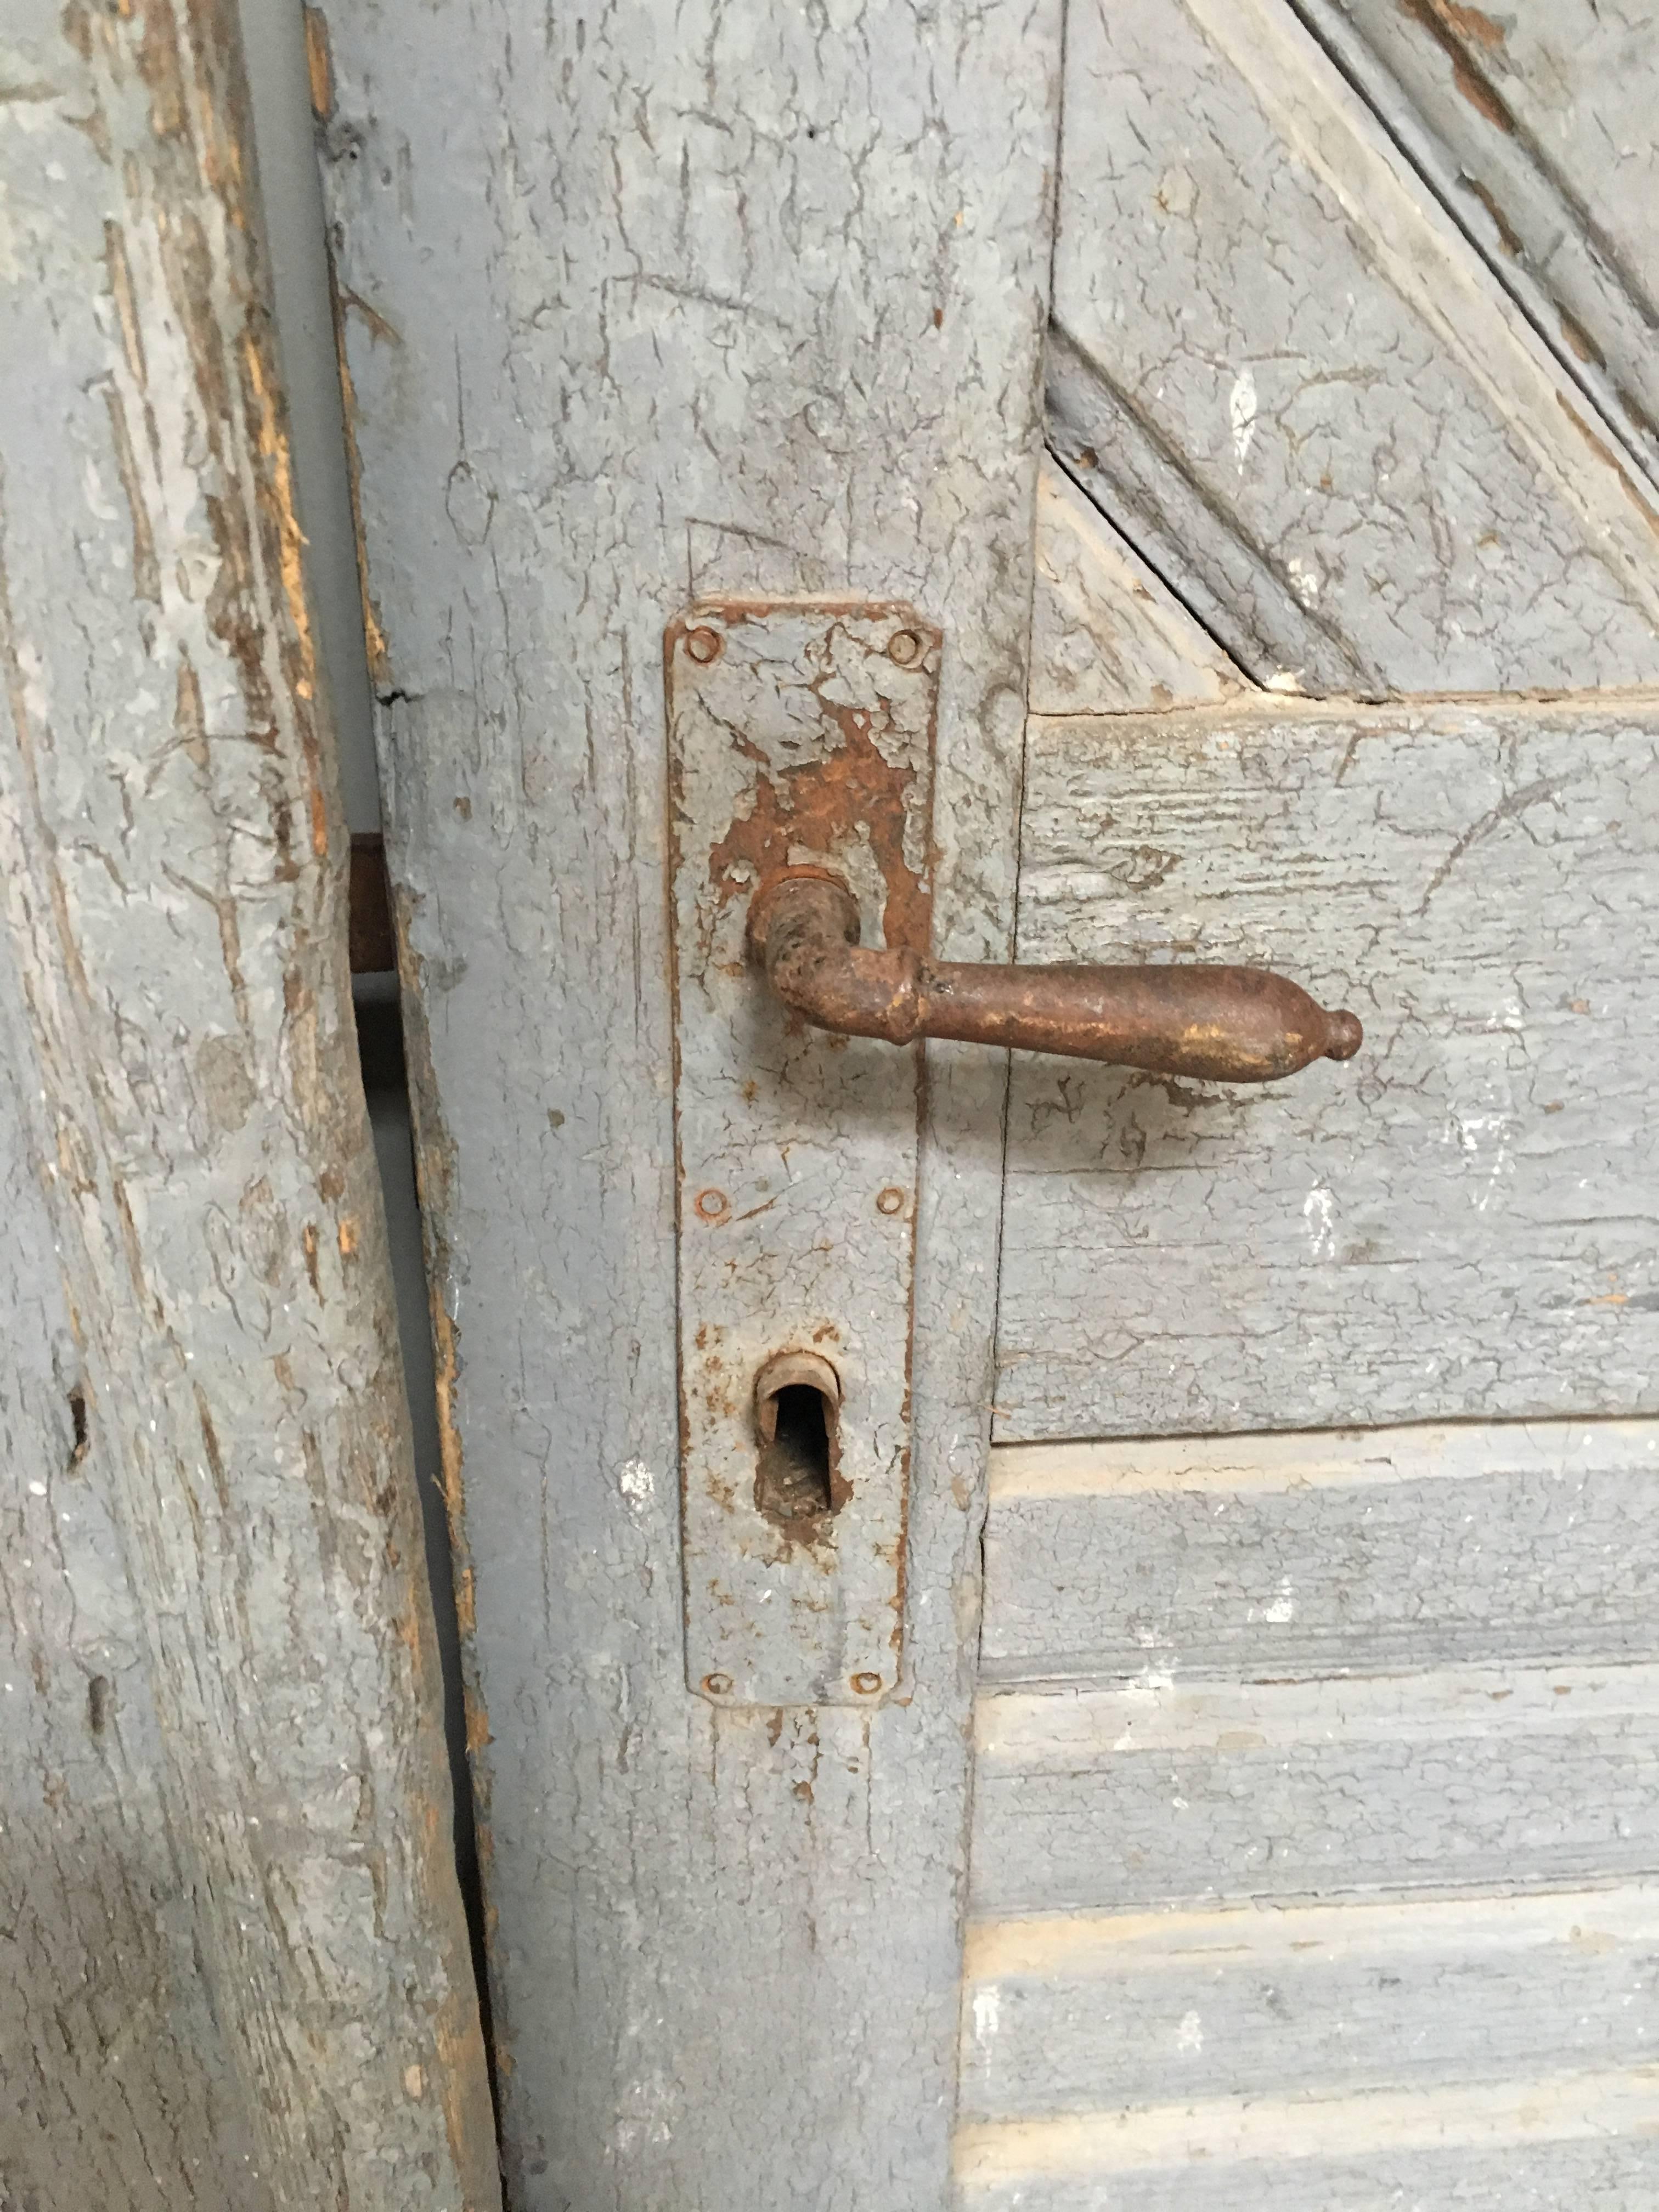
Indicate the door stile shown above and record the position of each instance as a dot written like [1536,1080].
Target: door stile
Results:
[671,307]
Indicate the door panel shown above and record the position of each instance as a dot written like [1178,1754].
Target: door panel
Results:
[1308,1850]
[1292,1791]
[1318,1723]
[638,307]
[1335,2000]
[1459,1224]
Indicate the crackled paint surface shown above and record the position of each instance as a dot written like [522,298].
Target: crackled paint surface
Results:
[225,1803]
[642,307]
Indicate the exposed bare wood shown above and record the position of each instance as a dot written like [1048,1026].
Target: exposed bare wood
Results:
[237,1759]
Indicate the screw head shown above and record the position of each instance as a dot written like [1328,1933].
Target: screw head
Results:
[718,1686]
[891,1200]
[704,645]
[904,646]
[711,1205]
[866,1685]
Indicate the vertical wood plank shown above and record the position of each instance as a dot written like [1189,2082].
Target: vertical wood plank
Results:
[273,1817]
[640,304]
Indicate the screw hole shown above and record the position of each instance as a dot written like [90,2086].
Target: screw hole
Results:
[703,645]
[891,1200]
[866,1685]
[718,1686]
[711,1205]
[904,647]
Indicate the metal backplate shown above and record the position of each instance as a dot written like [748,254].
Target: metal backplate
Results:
[800,735]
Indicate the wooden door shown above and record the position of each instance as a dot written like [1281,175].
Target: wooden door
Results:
[641,309]
[1314,1853]
[1276,1830]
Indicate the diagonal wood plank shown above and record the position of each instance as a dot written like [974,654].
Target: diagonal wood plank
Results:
[1288,376]
[1536,123]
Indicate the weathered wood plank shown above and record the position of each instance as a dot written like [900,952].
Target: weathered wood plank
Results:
[115,2081]
[1164,1793]
[1556,2143]
[1538,124]
[174,880]
[680,301]
[1292,383]
[1368,1553]
[1083,2014]
[1458,1223]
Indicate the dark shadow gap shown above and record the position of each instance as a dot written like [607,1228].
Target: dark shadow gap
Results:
[380,1053]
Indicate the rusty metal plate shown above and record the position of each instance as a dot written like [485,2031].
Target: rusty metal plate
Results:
[800,735]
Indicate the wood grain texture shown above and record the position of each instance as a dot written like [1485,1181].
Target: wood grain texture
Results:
[1066,2016]
[1108,636]
[677,302]
[1456,1223]
[115,2079]
[1556,2144]
[1175,1794]
[1367,1553]
[1534,124]
[236,1851]
[1288,379]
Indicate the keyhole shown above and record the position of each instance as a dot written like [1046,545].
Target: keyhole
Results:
[798,1485]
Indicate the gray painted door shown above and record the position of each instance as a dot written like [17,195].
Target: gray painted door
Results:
[639,306]
[1314,1860]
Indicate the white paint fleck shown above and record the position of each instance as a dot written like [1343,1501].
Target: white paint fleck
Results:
[1283,1608]
[37,1490]
[1285,679]
[1189,2036]
[1306,581]
[1241,410]
[987,2013]
[1319,1212]
[637,1484]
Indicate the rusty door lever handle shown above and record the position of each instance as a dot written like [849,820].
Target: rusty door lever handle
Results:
[1221,1025]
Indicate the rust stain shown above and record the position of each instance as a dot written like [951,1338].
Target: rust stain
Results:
[146,569]
[1471,23]
[1509,237]
[379,328]
[216,1458]
[1583,344]
[126,312]
[308,1240]
[1448,26]
[817,804]
[348,1237]
[1604,453]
